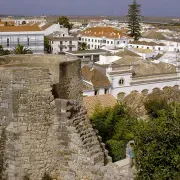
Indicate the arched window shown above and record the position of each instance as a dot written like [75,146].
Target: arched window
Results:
[121,81]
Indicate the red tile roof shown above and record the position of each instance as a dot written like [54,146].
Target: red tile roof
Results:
[19,28]
[107,32]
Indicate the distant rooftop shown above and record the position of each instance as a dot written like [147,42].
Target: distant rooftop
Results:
[19,28]
[88,51]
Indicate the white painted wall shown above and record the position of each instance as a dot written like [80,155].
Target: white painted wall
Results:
[101,91]
[98,42]
[55,46]
[140,87]
[88,93]
[55,28]
[171,46]
[36,40]
[107,59]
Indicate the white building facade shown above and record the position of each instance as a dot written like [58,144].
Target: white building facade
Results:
[30,37]
[123,82]
[63,44]
[105,38]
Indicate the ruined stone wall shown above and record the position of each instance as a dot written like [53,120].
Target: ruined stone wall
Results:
[29,124]
[41,133]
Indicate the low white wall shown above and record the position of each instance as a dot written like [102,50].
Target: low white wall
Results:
[141,86]
[107,59]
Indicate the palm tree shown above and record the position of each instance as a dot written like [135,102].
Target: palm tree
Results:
[82,46]
[20,49]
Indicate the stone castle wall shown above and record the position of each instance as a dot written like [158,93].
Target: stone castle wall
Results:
[45,129]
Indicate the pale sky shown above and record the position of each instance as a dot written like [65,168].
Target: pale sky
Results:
[88,7]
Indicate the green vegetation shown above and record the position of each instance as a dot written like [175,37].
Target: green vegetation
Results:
[20,49]
[157,138]
[47,46]
[63,20]
[158,143]
[3,52]
[115,126]
[82,46]
[134,19]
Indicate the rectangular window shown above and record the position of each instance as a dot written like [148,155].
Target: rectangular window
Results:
[70,48]
[85,39]
[104,41]
[117,42]
[28,41]
[82,39]
[96,92]
[17,40]
[107,42]
[106,91]
[95,40]
[7,42]
[92,40]
[61,49]
[88,40]
[61,42]
[52,42]
[70,42]
[111,42]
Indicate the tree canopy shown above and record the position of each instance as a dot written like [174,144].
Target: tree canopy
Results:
[157,138]
[47,46]
[115,127]
[63,20]
[134,19]
[82,46]
[158,144]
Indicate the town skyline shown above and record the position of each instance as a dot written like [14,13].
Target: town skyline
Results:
[97,8]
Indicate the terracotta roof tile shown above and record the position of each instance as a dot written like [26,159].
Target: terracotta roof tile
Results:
[105,100]
[19,28]
[95,77]
[107,32]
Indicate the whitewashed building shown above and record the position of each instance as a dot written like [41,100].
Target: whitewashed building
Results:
[50,28]
[94,82]
[130,73]
[31,37]
[105,37]
[157,37]
[60,43]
